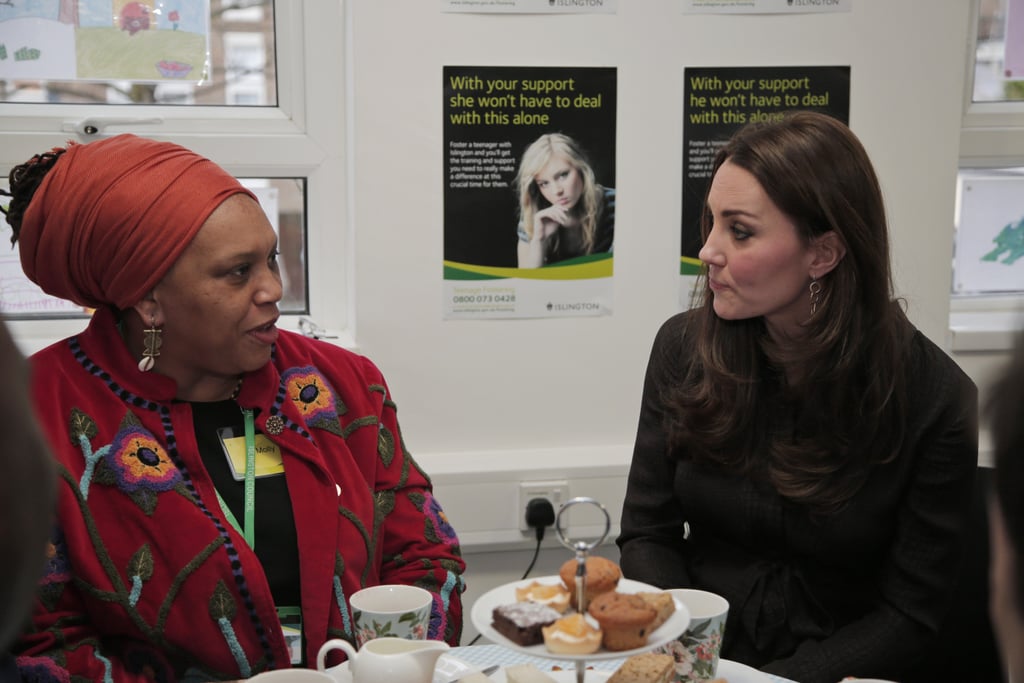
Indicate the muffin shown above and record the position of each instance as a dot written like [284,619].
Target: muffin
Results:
[572,635]
[625,619]
[602,576]
[553,595]
[648,667]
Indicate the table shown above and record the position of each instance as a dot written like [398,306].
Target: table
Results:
[486,655]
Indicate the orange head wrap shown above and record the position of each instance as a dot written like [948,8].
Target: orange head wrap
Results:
[112,216]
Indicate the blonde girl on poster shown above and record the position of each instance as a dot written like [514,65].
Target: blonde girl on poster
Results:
[563,211]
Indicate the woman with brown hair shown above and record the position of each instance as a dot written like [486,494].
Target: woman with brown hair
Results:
[802,449]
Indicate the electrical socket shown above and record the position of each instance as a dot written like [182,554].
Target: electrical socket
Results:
[555,491]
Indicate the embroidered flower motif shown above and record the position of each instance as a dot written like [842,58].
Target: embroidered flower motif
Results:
[58,568]
[313,396]
[140,462]
[56,572]
[41,670]
[437,528]
[137,464]
[443,529]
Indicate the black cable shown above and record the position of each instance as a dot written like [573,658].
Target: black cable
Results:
[540,515]
[536,552]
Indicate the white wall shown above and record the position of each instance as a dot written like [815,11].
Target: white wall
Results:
[485,403]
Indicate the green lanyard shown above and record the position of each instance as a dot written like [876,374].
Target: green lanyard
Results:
[249,530]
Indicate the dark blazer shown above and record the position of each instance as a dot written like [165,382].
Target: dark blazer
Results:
[858,593]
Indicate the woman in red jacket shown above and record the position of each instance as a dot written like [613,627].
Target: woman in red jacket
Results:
[174,556]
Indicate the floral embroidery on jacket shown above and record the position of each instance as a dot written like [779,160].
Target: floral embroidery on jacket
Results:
[57,571]
[42,670]
[139,465]
[314,397]
[438,528]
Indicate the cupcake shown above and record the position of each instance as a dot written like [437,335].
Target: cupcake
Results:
[554,595]
[625,619]
[602,576]
[572,635]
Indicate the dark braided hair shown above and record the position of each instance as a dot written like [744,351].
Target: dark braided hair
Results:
[24,181]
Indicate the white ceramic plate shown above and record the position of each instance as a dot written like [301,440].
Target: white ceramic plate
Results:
[592,676]
[506,594]
[447,668]
[734,672]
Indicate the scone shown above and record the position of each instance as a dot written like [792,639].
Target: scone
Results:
[526,673]
[572,635]
[602,576]
[662,603]
[553,595]
[521,622]
[625,619]
[648,667]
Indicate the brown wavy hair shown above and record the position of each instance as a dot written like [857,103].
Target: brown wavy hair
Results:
[837,389]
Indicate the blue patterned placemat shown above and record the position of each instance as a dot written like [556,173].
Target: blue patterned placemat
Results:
[486,655]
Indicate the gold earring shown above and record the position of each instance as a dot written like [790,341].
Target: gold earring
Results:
[151,342]
[815,289]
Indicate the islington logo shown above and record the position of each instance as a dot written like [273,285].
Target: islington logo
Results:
[577,306]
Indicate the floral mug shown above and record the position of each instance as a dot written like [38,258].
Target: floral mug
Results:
[391,610]
[696,651]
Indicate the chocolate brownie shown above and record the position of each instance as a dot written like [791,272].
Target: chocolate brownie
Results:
[521,622]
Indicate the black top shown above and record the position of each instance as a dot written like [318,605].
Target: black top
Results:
[276,541]
[857,593]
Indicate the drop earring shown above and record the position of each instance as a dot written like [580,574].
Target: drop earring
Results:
[815,289]
[151,342]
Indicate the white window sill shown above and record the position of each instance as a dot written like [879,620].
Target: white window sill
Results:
[35,335]
[984,330]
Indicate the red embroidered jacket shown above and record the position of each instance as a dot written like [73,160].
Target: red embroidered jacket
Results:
[146,580]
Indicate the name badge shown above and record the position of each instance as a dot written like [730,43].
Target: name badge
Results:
[268,454]
[291,625]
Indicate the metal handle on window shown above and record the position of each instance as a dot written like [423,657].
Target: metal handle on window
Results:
[97,125]
[314,331]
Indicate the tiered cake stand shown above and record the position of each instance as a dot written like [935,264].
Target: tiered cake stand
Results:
[506,594]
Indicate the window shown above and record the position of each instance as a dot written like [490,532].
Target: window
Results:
[988,276]
[259,115]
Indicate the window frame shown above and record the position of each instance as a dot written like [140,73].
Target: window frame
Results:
[305,135]
[991,137]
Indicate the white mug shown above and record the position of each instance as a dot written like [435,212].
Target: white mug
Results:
[391,610]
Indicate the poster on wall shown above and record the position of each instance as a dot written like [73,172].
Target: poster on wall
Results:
[531,6]
[104,40]
[718,101]
[529,191]
[764,6]
[989,253]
